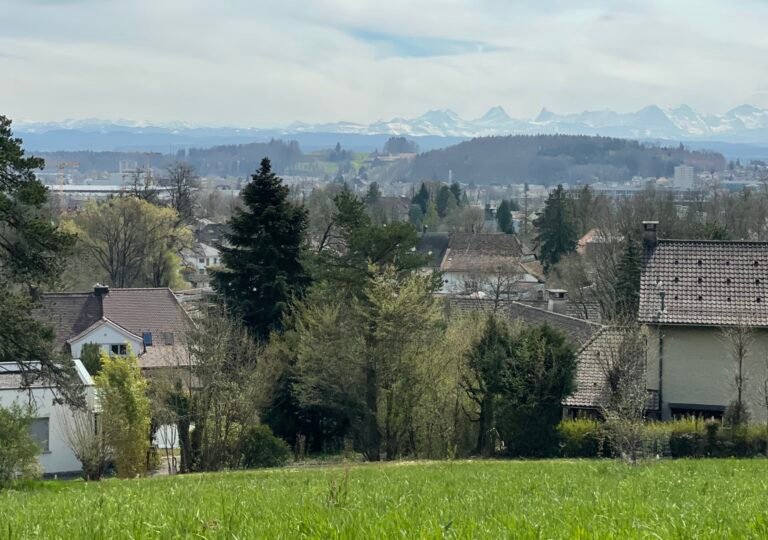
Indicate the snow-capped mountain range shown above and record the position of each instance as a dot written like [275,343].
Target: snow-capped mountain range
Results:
[743,124]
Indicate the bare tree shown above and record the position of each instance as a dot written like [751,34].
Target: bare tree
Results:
[184,185]
[142,185]
[621,356]
[739,339]
[85,436]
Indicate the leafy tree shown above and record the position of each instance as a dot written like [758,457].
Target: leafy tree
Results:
[32,253]
[132,242]
[557,234]
[628,281]
[444,198]
[125,412]
[422,198]
[504,218]
[18,452]
[457,193]
[90,356]
[400,145]
[262,263]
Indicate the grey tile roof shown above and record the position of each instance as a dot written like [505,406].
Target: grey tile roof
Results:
[710,283]
[578,331]
[590,372]
[145,310]
[69,313]
[482,252]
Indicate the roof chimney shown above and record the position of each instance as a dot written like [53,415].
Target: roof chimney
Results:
[649,234]
[557,301]
[100,290]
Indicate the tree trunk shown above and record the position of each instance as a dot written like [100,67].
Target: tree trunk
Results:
[372,436]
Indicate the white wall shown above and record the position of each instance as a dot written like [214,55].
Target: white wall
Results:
[105,335]
[59,458]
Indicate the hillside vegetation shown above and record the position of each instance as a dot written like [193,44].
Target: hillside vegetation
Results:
[488,499]
[549,159]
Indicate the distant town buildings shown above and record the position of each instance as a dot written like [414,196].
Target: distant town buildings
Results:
[684,177]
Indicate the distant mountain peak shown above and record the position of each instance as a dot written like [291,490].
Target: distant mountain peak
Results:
[544,115]
[495,114]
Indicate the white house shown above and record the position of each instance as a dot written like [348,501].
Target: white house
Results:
[199,261]
[51,415]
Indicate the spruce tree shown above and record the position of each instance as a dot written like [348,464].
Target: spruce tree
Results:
[628,281]
[504,218]
[557,232]
[422,198]
[457,193]
[444,197]
[262,267]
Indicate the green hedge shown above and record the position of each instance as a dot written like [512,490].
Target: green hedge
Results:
[688,437]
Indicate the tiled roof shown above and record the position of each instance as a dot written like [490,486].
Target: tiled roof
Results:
[434,245]
[711,283]
[590,372]
[482,252]
[578,331]
[154,310]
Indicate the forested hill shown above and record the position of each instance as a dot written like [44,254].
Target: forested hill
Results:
[549,159]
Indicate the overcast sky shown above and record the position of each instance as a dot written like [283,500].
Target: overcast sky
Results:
[268,63]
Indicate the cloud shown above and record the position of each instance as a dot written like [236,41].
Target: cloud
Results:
[265,63]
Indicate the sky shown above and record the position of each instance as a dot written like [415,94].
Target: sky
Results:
[259,63]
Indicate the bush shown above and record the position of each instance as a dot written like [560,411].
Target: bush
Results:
[18,451]
[262,449]
[582,437]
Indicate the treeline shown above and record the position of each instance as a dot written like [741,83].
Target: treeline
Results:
[226,160]
[549,159]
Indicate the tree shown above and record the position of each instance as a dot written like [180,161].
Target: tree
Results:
[457,194]
[125,411]
[262,263]
[142,185]
[422,198]
[400,145]
[431,219]
[444,199]
[18,453]
[557,233]
[739,340]
[628,281]
[131,241]
[624,396]
[504,218]
[86,438]
[32,253]
[373,194]
[184,185]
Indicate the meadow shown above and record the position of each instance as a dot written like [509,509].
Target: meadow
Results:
[460,499]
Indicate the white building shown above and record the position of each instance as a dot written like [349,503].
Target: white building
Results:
[684,177]
[199,261]
[49,428]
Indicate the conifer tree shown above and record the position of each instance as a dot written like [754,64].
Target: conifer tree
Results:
[262,263]
[628,281]
[557,232]
[504,218]
[443,202]
[457,193]
[422,198]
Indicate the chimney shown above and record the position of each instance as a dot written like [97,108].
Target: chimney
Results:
[557,301]
[100,290]
[649,234]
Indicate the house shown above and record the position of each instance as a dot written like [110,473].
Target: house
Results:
[490,264]
[209,232]
[198,261]
[52,415]
[691,293]
[433,246]
[150,321]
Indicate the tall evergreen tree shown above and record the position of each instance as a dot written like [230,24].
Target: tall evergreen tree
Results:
[262,263]
[628,281]
[443,201]
[373,194]
[457,193]
[31,256]
[557,232]
[422,198]
[504,218]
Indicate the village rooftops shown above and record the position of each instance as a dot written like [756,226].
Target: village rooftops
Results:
[704,282]
[469,252]
[433,245]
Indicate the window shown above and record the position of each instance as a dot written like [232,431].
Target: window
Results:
[147,338]
[209,260]
[38,430]
[201,260]
[201,271]
[168,338]
[119,350]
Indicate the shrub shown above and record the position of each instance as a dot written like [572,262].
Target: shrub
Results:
[262,449]
[86,438]
[18,451]
[582,437]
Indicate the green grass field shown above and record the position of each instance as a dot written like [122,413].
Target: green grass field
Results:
[483,499]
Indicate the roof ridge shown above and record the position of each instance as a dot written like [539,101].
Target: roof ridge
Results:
[706,241]
[564,316]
